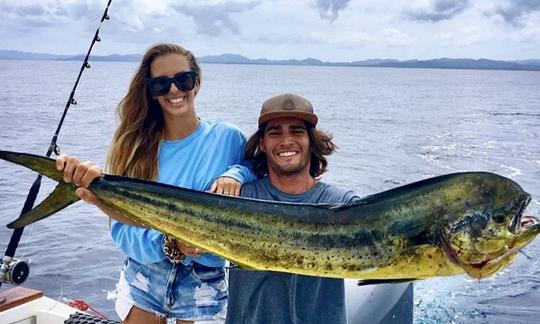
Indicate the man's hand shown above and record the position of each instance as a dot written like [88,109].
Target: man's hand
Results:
[226,186]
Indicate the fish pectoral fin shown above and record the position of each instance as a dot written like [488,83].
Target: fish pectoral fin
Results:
[239,266]
[384,281]
[62,196]
[336,208]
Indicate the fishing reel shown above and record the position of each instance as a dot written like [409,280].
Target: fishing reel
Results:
[14,271]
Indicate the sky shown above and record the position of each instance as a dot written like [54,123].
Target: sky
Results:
[329,30]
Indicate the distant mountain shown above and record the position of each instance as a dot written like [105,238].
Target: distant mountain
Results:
[533,61]
[372,62]
[480,64]
[107,58]
[239,59]
[18,55]
[225,58]
[440,63]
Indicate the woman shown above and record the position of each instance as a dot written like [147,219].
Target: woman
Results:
[161,138]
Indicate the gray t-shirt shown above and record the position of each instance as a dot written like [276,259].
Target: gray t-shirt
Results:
[282,298]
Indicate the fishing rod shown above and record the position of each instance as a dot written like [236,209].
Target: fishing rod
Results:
[16,271]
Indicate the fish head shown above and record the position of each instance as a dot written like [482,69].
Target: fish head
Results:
[491,231]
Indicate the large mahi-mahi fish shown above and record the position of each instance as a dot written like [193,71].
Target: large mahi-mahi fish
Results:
[468,222]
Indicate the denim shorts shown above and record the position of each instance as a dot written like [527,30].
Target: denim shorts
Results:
[194,292]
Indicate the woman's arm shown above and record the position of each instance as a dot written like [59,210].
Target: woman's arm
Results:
[82,174]
[142,244]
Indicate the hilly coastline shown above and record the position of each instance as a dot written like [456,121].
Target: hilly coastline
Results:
[439,63]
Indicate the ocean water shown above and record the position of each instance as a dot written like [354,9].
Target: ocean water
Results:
[392,126]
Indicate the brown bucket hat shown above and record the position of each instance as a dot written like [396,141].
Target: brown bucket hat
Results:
[287,105]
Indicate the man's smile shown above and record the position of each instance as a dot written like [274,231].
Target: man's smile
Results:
[287,153]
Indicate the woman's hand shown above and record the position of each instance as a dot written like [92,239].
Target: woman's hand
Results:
[80,174]
[226,186]
[185,249]
[176,251]
[188,250]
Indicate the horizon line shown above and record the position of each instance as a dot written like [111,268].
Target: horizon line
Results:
[287,59]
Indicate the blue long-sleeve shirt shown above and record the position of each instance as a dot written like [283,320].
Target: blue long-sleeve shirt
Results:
[215,149]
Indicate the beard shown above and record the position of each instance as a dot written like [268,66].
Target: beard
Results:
[289,169]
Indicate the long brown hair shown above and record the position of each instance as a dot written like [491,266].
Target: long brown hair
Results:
[320,146]
[135,146]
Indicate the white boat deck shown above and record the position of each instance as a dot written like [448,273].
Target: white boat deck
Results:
[27,306]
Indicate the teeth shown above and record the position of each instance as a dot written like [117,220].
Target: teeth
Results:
[176,100]
[286,154]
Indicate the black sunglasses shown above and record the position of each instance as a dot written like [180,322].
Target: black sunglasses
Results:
[160,86]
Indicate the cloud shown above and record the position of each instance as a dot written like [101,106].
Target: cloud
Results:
[334,30]
[31,15]
[513,11]
[278,38]
[465,36]
[28,15]
[215,17]
[438,10]
[329,9]
[390,37]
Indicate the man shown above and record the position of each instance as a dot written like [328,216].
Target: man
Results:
[288,154]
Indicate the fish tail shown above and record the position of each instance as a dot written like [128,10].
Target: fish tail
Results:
[62,196]
[40,164]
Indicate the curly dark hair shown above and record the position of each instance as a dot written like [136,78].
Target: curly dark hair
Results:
[320,145]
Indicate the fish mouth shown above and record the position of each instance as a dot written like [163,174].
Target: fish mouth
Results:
[528,225]
[528,221]
[521,222]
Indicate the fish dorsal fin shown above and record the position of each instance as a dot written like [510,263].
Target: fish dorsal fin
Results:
[400,191]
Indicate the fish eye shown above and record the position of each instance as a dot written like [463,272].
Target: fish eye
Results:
[499,218]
